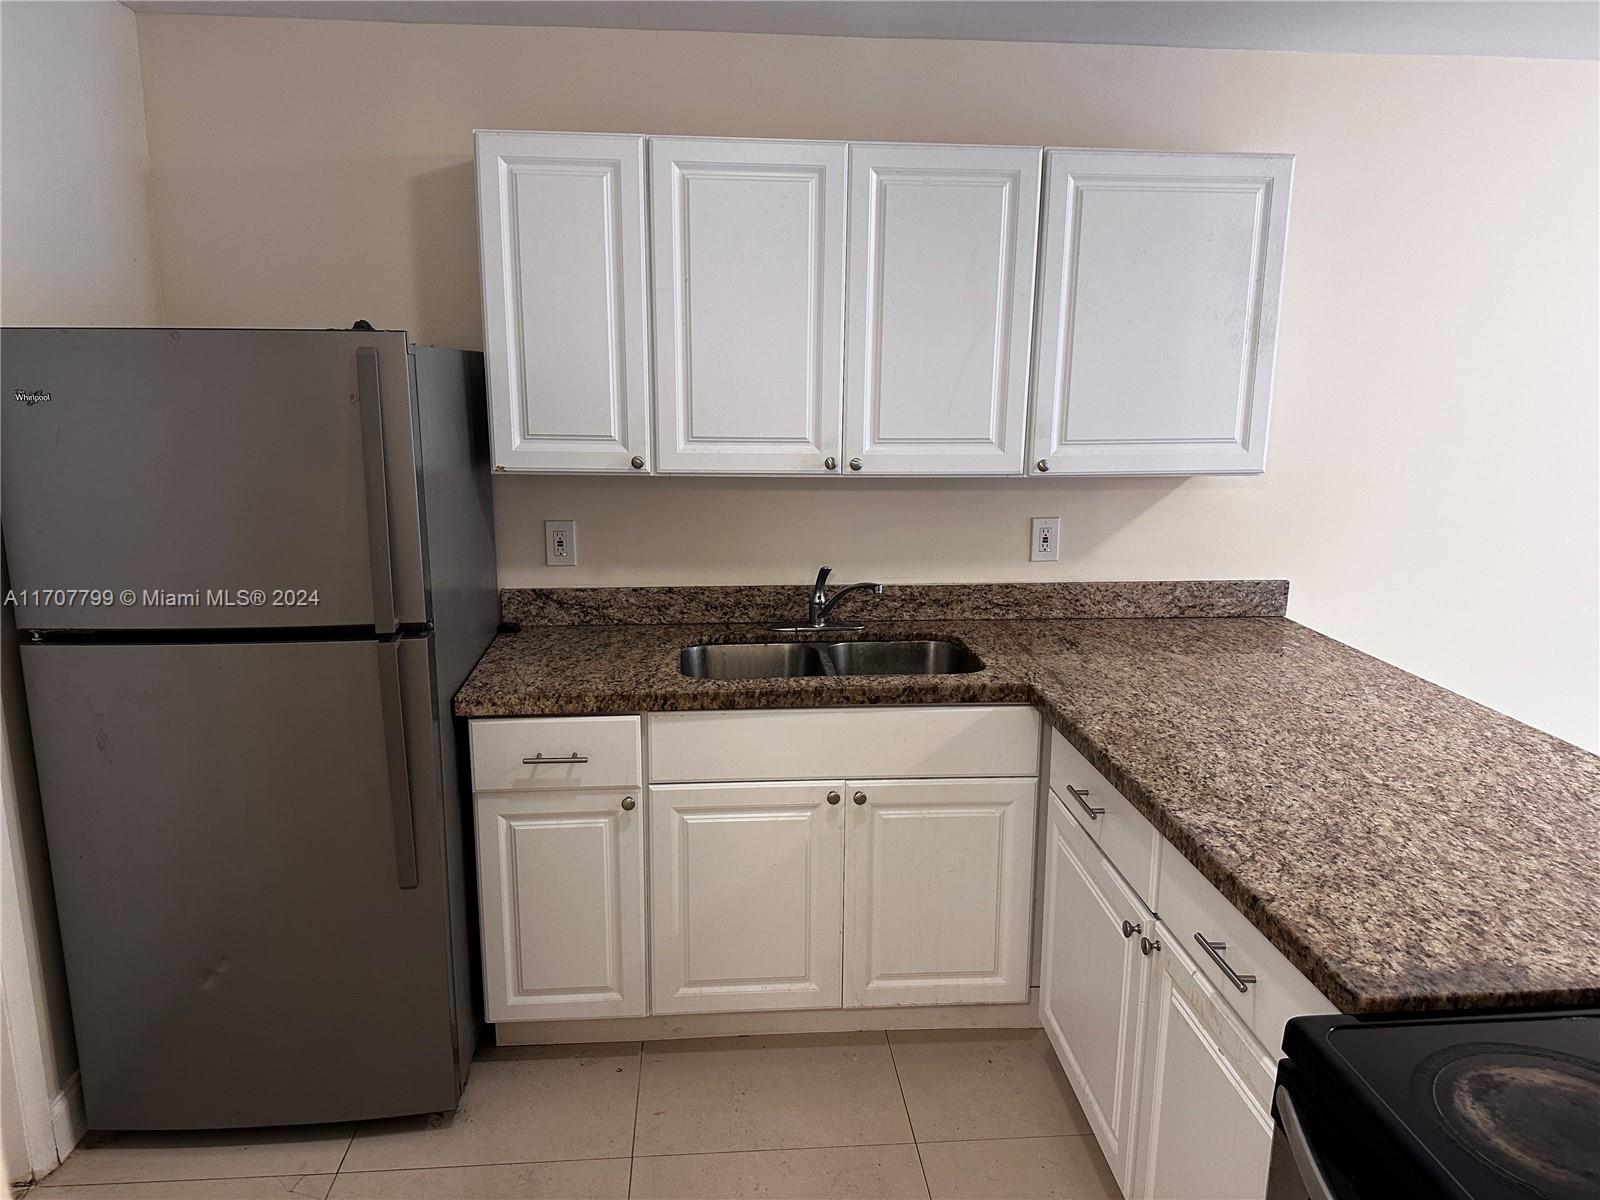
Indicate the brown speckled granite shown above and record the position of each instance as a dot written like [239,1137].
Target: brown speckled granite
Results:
[786,603]
[1405,848]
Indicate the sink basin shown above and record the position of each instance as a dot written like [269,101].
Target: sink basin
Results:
[789,660]
[902,658]
[772,660]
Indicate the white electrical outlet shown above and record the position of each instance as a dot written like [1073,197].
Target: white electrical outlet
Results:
[560,543]
[1046,545]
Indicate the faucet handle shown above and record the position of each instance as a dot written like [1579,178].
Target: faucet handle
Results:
[822,578]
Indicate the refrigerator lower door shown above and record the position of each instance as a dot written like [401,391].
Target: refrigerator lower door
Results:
[211,479]
[247,860]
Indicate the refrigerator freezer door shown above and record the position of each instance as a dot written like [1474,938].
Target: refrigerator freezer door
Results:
[229,863]
[190,468]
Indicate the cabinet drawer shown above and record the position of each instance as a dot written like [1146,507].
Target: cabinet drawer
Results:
[1190,906]
[1120,830]
[501,750]
[844,743]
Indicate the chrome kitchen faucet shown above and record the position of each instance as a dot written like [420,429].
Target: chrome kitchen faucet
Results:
[822,604]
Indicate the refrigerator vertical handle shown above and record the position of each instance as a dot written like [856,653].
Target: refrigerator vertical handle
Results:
[369,393]
[394,738]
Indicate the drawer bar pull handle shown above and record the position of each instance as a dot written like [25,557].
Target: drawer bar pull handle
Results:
[1214,952]
[539,760]
[1083,802]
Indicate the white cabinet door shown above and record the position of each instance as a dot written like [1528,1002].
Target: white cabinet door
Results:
[1092,983]
[748,241]
[561,883]
[938,891]
[565,320]
[1204,1129]
[746,896]
[942,247]
[1158,312]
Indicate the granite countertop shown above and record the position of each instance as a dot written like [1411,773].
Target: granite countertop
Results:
[1405,848]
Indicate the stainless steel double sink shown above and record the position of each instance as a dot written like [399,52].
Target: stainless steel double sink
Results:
[791,660]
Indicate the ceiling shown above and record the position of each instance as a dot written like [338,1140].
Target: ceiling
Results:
[1516,28]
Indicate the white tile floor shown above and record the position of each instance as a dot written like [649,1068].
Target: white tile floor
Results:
[917,1114]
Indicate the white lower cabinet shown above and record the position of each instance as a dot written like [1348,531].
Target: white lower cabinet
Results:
[938,888]
[561,889]
[747,896]
[1176,1086]
[1092,983]
[905,877]
[1204,1123]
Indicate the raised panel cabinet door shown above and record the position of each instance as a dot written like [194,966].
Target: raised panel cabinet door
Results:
[746,896]
[938,891]
[1204,1131]
[748,246]
[1158,312]
[940,316]
[1092,983]
[561,893]
[561,222]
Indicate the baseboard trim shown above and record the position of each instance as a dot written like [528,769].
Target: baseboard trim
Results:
[828,1020]
[67,1118]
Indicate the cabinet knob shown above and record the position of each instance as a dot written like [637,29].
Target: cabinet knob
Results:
[1147,947]
[833,797]
[855,464]
[1043,465]
[859,797]
[1129,929]
[637,463]
[831,463]
[628,804]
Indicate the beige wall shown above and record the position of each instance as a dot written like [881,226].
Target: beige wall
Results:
[1435,459]
[74,210]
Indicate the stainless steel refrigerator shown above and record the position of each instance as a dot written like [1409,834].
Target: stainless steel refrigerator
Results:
[249,570]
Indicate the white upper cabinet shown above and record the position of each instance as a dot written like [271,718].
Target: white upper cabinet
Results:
[942,246]
[1158,312]
[565,315]
[822,308]
[748,246]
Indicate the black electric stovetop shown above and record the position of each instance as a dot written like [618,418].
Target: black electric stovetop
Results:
[1486,1107]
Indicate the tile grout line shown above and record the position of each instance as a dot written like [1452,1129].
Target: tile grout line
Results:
[354,1129]
[523,1162]
[780,1149]
[638,1092]
[1008,1137]
[910,1124]
[534,1162]
[454,1166]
